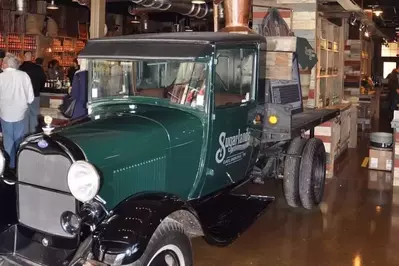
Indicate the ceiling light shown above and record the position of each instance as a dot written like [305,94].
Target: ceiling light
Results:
[52,6]
[367,34]
[187,28]
[135,20]
[361,27]
[353,21]
[199,2]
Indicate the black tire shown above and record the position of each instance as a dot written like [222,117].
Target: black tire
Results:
[169,242]
[291,172]
[312,173]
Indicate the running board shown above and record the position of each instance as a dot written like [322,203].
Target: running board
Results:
[226,216]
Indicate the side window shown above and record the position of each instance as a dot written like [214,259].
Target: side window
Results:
[234,76]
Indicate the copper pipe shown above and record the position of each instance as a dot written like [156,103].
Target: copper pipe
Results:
[236,13]
[215,17]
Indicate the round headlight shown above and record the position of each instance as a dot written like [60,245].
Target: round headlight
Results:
[83,181]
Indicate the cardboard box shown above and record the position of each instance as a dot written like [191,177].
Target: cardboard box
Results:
[380,180]
[380,159]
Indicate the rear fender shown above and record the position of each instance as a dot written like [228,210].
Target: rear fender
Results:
[123,237]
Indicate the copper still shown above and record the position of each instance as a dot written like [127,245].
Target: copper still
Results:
[236,14]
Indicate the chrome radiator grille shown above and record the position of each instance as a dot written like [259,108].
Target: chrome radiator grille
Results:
[45,170]
[41,209]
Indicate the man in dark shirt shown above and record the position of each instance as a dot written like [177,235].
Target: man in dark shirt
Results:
[2,55]
[38,79]
[72,70]
[393,86]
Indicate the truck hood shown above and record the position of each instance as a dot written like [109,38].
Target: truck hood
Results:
[140,151]
[149,130]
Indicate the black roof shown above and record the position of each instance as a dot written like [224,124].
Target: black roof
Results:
[186,37]
[183,45]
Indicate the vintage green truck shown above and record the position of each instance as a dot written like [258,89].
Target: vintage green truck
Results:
[177,124]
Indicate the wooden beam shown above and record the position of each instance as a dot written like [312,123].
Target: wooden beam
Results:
[97,18]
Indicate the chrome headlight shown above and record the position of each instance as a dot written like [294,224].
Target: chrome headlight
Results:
[83,181]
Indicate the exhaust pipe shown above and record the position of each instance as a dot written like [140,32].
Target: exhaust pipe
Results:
[236,13]
[192,10]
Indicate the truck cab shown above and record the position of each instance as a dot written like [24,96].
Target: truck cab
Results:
[177,124]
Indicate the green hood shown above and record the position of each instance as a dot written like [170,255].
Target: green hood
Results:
[135,152]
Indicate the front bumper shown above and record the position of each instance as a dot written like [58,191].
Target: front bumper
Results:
[22,246]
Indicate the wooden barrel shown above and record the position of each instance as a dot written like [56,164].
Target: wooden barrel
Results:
[52,28]
[35,23]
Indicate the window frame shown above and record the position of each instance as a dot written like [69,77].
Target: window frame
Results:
[152,100]
[254,82]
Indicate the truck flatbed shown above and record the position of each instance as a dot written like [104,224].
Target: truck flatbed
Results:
[310,119]
[293,125]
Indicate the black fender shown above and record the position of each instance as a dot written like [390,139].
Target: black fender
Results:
[123,237]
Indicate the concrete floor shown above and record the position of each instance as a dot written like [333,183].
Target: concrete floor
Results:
[357,224]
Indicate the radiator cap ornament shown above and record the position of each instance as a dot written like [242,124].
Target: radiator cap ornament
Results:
[42,144]
[48,128]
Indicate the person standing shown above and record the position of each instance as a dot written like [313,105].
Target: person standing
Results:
[38,79]
[54,71]
[79,91]
[16,93]
[39,61]
[72,70]
[2,54]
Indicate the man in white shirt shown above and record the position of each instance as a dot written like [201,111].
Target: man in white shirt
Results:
[16,93]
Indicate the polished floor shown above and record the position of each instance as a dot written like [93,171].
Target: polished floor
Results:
[357,224]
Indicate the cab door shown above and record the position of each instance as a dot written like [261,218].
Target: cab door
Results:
[230,148]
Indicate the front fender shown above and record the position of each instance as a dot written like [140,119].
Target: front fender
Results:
[123,237]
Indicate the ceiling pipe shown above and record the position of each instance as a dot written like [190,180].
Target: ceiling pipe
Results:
[186,9]
[83,2]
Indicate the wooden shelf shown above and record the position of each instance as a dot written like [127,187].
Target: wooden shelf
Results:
[328,76]
[17,44]
[329,87]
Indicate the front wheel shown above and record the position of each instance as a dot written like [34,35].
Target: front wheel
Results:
[168,246]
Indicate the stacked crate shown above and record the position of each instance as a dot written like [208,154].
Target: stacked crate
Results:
[301,18]
[395,126]
[335,135]
[396,158]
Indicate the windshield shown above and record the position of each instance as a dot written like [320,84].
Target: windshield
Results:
[176,81]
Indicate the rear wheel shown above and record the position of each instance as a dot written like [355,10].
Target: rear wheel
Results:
[291,172]
[312,173]
[169,246]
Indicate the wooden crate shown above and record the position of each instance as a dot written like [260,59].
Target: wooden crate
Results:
[278,65]
[281,44]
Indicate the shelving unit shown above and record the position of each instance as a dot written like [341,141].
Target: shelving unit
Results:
[329,83]
[365,57]
[18,44]
[357,64]
[65,49]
